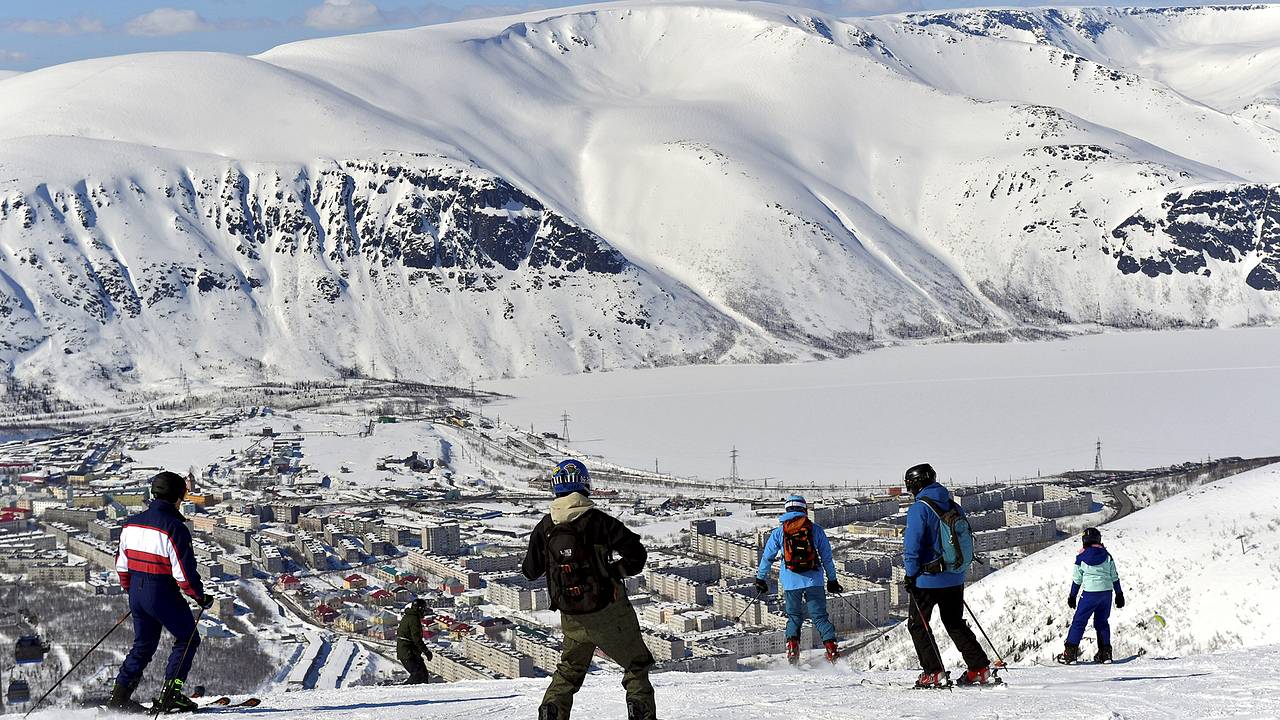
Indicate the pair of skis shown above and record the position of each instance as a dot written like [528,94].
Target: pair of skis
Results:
[949,685]
[226,702]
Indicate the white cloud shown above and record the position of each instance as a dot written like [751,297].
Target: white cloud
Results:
[12,56]
[75,26]
[167,21]
[343,15]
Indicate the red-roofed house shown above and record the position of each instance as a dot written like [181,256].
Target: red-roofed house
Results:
[415,583]
[288,583]
[325,614]
[355,582]
[382,597]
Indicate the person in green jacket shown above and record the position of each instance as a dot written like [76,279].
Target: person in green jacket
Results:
[409,645]
[1095,573]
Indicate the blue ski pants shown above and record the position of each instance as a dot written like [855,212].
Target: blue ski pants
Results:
[157,604]
[814,599]
[1096,605]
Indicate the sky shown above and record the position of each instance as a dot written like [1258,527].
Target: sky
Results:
[39,33]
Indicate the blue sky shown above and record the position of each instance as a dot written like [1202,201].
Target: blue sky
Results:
[35,34]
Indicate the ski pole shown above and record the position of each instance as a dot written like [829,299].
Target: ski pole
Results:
[754,600]
[933,640]
[984,634]
[82,659]
[860,615]
[155,711]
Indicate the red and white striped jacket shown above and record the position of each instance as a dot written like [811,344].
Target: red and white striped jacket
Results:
[158,542]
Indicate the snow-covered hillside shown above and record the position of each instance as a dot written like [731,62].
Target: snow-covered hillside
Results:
[635,184]
[1242,685]
[1202,561]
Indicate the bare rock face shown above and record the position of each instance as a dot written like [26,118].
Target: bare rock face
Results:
[1236,224]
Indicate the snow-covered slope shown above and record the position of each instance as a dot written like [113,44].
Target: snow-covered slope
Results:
[1227,685]
[634,184]
[1202,561]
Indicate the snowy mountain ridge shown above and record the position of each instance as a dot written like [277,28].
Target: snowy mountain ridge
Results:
[635,184]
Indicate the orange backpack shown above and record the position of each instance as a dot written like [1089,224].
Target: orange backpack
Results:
[798,550]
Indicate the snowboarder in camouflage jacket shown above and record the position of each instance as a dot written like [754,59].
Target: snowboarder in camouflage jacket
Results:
[585,553]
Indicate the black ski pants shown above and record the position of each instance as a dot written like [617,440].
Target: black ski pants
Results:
[417,669]
[950,604]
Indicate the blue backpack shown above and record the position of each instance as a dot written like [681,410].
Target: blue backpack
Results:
[955,540]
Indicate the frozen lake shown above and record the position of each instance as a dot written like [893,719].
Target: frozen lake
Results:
[974,411]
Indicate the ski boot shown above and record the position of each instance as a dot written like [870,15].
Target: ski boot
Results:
[833,652]
[122,701]
[1103,655]
[933,680]
[1070,653]
[172,700]
[793,651]
[980,676]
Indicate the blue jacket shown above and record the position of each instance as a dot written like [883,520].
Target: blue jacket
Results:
[920,541]
[792,580]
[156,542]
[1095,570]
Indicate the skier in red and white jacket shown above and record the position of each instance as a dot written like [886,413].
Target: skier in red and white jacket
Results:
[157,566]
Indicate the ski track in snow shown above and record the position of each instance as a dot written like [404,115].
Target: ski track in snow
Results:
[1238,684]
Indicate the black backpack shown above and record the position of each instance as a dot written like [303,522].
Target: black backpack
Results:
[798,551]
[576,580]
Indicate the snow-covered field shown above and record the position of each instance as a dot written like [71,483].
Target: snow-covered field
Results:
[1204,561]
[330,443]
[1232,685]
[974,411]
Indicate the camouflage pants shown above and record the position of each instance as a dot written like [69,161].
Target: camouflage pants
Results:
[615,631]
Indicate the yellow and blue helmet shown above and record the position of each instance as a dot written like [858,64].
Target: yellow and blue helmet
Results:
[570,476]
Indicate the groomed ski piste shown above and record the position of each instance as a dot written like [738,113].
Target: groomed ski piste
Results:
[1236,684]
[1203,561]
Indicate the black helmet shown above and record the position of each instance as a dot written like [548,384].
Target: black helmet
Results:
[418,605]
[919,477]
[1091,536]
[168,486]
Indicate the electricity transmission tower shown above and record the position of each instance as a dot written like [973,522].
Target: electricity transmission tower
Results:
[733,464]
[1097,458]
[564,425]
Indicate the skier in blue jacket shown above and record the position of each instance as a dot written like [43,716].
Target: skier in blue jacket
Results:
[806,555]
[928,586]
[1095,573]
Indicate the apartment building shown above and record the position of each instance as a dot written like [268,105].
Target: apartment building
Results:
[676,588]
[540,647]
[515,591]
[444,540]
[453,667]
[664,646]
[444,568]
[503,660]
[729,550]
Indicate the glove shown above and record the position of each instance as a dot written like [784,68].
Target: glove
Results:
[762,586]
[833,586]
[1119,600]
[429,655]
[205,601]
[909,582]
[1071,601]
